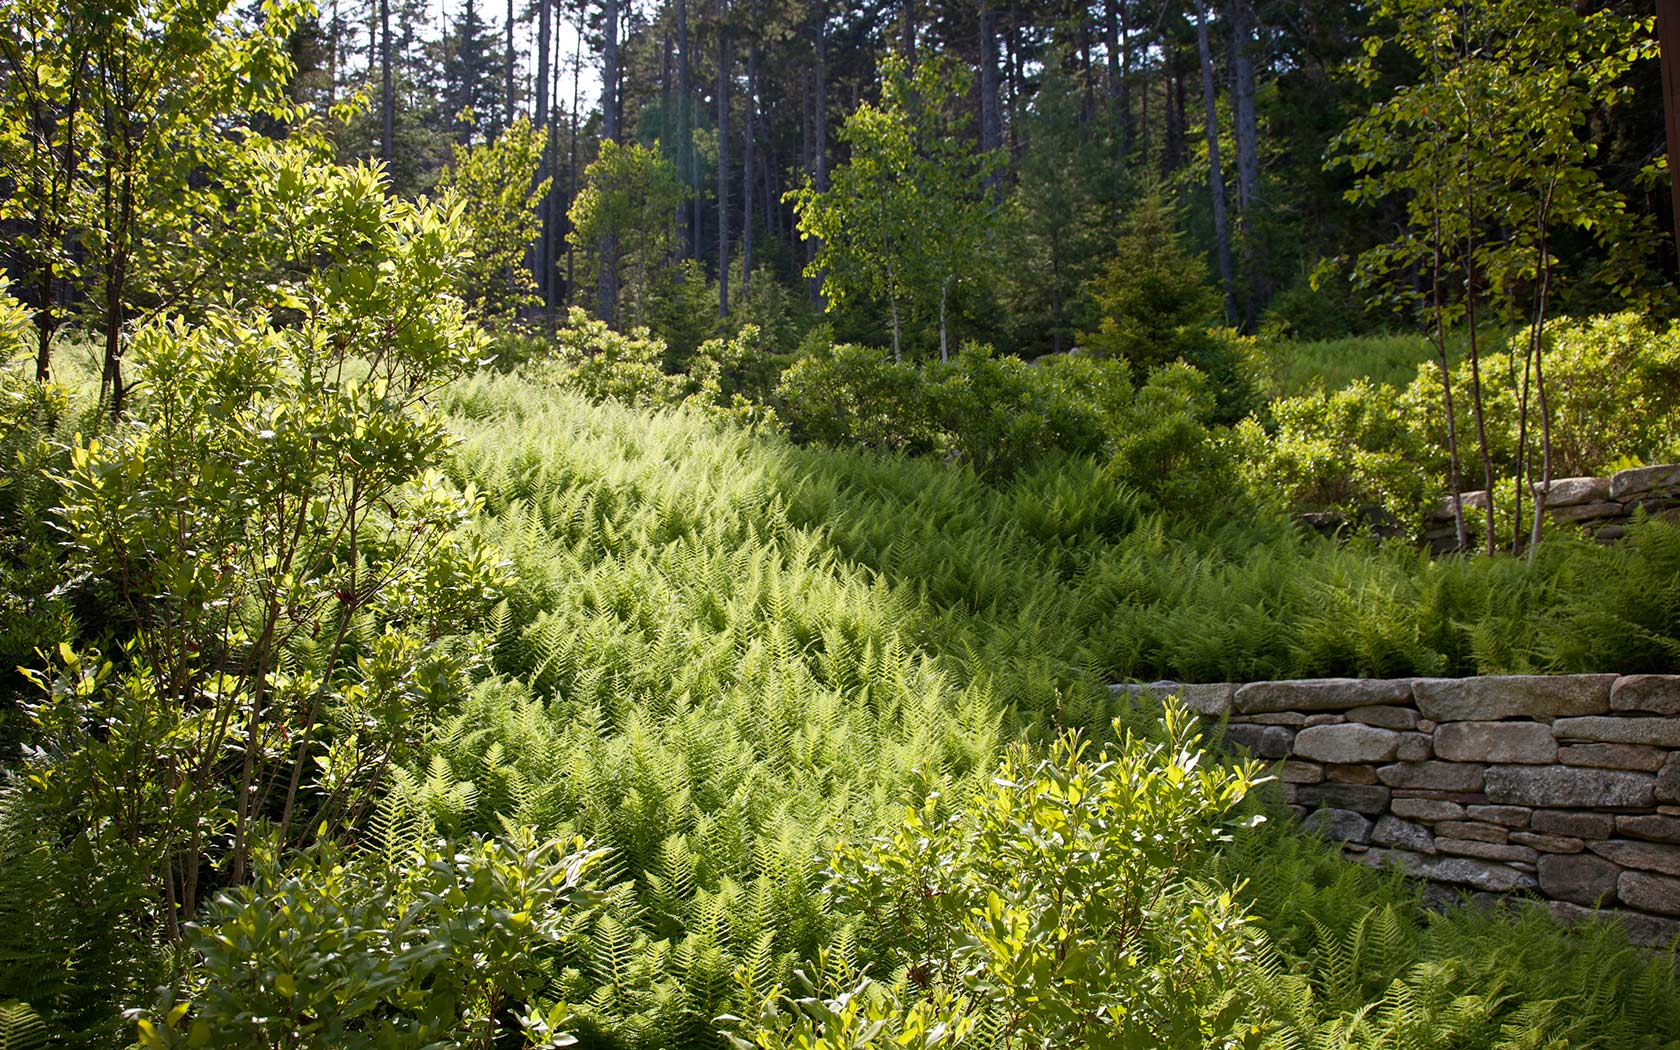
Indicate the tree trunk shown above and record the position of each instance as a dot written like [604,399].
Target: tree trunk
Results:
[991,120]
[541,93]
[606,283]
[508,122]
[907,31]
[750,132]
[1216,179]
[387,102]
[572,164]
[685,134]
[468,44]
[944,333]
[819,137]
[1248,152]
[723,160]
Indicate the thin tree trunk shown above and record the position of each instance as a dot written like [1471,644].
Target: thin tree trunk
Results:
[1475,356]
[991,119]
[944,336]
[572,164]
[540,95]
[508,123]
[606,285]
[685,134]
[907,31]
[819,143]
[1538,349]
[468,44]
[750,133]
[723,159]
[1248,153]
[387,101]
[1216,179]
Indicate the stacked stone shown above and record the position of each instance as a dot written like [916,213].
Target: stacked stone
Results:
[1440,530]
[1602,507]
[1565,786]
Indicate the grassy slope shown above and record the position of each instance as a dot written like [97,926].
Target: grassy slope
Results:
[725,652]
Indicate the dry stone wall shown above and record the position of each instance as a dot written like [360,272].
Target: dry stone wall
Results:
[1562,787]
[1601,507]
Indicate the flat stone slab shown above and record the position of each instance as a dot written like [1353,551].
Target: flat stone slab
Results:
[1657,694]
[1640,480]
[1579,878]
[1361,798]
[1578,825]
[1338,825]
[1567,492]
[1460,871]
[1620,729]
[1321,694]
[1347,743]
[1569,786]
[1517,742]
[1653,826]
[1649,892]
[1437,776]
[1387,716]
[1614,756]
[1392,831]
[1646,856]
[1212,699]
[1493,697]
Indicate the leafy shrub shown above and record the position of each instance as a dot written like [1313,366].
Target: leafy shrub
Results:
[854,395]
[1346,450]
[1168,450]
[1058,896]
[412,946]
[603,364]
[495,187]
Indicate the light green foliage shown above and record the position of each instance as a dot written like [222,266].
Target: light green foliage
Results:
[1614,389]
[604,364]
[276,563]
[1491,142]
[998,414]
[1057,897]
[124,104]
[1287,367]
[630,193]
[496,188]
[420,945]
[1346,450]
[905,220]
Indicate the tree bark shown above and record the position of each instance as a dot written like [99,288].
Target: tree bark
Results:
[1216,179]
[723,160]
[540,116]
[749,133]
[1248,152]
[387,102]
[467,44]
[991,120]
[606,283]
[907,31]
[508,122]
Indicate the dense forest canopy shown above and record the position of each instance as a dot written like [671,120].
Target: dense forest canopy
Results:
[1051,121]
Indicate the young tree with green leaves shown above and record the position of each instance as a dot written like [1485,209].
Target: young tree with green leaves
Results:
[497,191]
[113,114]
[1487,152]
[908,216]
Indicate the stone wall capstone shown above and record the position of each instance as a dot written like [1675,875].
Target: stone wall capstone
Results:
[1559,787]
